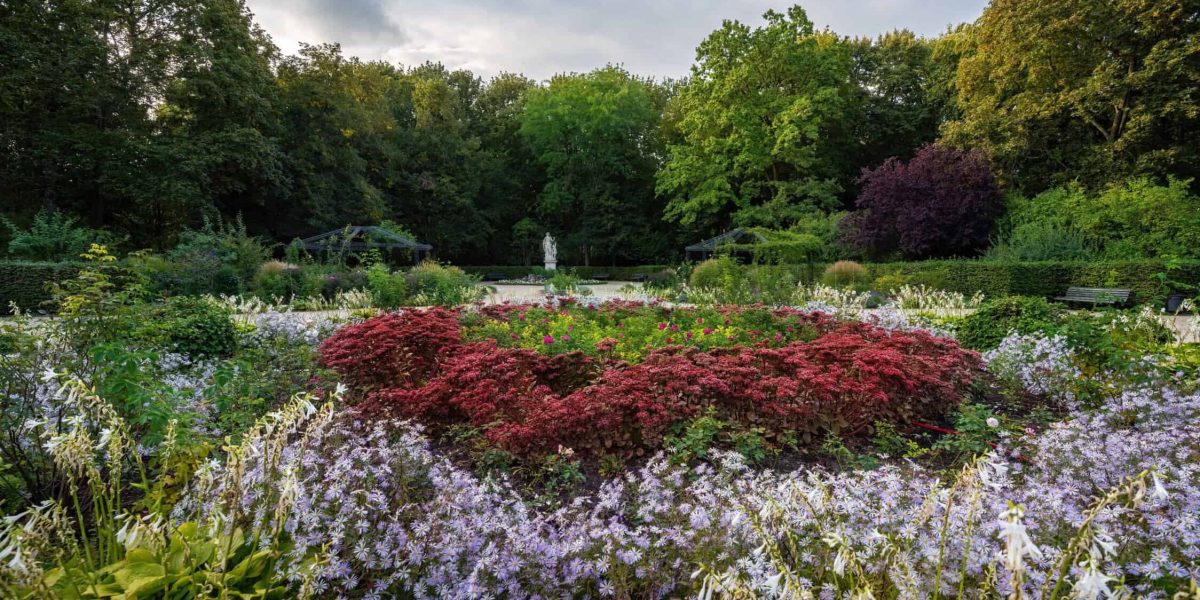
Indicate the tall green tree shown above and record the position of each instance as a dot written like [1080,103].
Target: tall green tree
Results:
[895,107]
[597,137]
[339,125]
[761,121]
[136,114]
[1060,90]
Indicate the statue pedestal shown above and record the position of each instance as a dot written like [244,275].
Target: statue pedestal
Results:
[551,266]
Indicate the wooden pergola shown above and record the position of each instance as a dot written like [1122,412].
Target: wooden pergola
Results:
[356,238]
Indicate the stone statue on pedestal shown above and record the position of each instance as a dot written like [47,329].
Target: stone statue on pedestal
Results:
[550,249]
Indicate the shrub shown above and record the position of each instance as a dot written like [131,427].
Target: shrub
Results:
[432,283]
[340,282]
[220,259]
[388,290]
[196,327]
[714,272]
[280,281]
[1135,219]
[996,319]
[889,283]
[392,350]
[1042,241]
[845,273]
[500,389]
[1046,279]
[52,236]
[527,402]
[943,202]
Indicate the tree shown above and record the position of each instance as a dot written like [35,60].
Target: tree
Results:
[339,128]
[596,137]
[137,114]
[895,108]
[506,164]
[942,203]
[761,122]
[1060,90]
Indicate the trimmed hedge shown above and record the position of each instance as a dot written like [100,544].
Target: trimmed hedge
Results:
[1045,279]
[25,283]
[615,273]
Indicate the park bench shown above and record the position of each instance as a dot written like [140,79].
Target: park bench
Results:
[494,277]
[1096,296]
[639,278]
[601,277]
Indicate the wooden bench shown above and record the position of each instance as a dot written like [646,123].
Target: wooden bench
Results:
[600,277]
[639,278]
[1096,296]
[494,277]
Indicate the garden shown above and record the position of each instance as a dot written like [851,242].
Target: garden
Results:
[910,444]
[809,316]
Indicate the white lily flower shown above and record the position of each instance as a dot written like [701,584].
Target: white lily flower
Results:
[1160,492]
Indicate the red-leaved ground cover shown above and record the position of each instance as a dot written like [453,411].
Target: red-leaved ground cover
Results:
[413,365]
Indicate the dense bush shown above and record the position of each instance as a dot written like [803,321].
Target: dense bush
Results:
[943,202]
[198,327]
[997,318]
[1131,220]
[846,378]
[388,290]
[217,259]
[52,236]
[714,272]
[1042,240]
[331,284]
[431,283]
[280,281]
[392,350]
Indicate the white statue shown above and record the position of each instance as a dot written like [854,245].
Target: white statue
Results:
[550,249]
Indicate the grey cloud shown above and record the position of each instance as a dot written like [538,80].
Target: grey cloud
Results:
[544,37]
[350,21]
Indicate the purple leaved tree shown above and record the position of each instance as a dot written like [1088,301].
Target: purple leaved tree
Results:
[941,203]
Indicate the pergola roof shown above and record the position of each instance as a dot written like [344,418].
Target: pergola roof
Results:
[362,237]
[732,236]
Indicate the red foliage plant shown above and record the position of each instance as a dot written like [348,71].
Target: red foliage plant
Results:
[844,380]
[397,349]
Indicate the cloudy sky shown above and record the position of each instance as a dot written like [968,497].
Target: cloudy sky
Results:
[542,37]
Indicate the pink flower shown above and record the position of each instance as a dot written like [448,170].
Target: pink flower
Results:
[662,326]
[707,330]
[689,335]
[565,337]
[546,339]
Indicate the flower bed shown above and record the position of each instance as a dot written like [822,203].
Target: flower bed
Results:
[616,378]
[386,514]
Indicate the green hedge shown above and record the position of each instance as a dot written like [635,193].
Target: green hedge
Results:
[25,282]
[616,273]
[1046,279]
